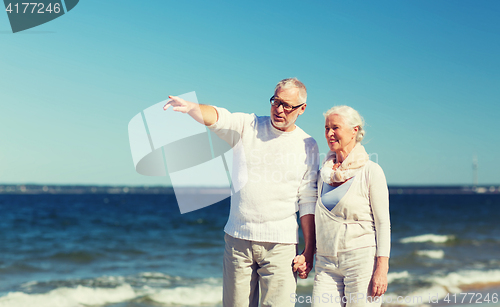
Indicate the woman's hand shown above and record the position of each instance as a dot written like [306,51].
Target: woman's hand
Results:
[378,283]
[301,266]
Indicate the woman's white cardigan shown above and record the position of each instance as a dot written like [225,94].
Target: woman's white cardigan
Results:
[360,219]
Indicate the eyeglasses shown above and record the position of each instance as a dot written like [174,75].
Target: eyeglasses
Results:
[276,102]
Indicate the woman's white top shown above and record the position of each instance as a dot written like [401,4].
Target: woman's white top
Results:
[360,218]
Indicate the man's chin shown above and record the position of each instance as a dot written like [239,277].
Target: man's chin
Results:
[279,125]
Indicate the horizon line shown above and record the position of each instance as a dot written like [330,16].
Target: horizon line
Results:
[22,189]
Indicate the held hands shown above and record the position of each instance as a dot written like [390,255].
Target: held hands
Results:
[179,104]
[302,266]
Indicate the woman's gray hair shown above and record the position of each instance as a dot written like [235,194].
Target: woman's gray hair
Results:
[291,83]
[351,118]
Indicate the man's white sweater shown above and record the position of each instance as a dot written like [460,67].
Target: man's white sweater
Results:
[280,170]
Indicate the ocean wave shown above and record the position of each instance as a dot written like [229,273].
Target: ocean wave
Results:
[421,297]
[156,287]
[76,256]
[155,280]
[99,282]
[19,268]
[428,238]
[434,254]
[467,278]
[440,286]
[189,296]
[69,297]
[397,275]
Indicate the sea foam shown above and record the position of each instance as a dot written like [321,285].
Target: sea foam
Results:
[434,254]
[428,238]
[468,277]
[69,297]
[157,287]
[454,282]
[189,296]
[397,275]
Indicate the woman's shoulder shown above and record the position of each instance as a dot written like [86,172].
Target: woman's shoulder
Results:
[373,168]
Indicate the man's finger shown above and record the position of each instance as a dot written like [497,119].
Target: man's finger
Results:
[170,102]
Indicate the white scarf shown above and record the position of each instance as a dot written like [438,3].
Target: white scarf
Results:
[333,172]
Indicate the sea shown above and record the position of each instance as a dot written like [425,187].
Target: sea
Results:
[127,248]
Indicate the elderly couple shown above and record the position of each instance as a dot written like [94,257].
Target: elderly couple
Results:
[343,207]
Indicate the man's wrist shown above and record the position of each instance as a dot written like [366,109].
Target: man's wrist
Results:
[308,253]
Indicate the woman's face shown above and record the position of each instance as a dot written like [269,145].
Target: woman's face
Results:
[340,137]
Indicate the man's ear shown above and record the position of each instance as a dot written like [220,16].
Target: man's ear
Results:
[302,109]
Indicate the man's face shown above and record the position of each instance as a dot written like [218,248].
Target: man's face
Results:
[285,120]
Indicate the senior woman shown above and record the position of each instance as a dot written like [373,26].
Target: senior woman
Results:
[352,219]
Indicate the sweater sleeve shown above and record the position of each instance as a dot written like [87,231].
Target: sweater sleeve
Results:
[308,192]
[379,201]
[229,126]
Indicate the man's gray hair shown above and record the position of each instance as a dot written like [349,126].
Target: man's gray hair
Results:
[351,118]
[291,83]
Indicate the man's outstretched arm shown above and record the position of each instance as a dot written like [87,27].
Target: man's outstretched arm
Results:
[203,114]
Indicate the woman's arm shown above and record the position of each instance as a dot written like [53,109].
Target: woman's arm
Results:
[379,201]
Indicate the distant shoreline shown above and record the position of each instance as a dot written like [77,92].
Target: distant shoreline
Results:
[101,189]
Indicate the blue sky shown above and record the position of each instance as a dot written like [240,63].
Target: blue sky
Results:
[425,75]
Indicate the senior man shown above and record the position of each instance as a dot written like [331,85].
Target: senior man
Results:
[261,234]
